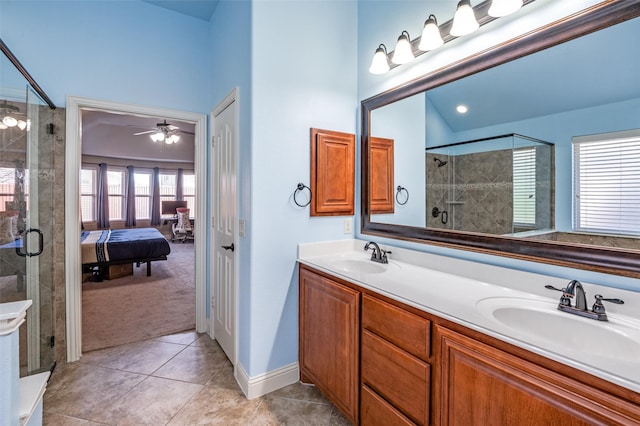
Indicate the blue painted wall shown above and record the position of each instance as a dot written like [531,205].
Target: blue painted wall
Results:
[122,51]
[304,76]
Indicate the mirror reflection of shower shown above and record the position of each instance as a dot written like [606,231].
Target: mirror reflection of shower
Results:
[498,185]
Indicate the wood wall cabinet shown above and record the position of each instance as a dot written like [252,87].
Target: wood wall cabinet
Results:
[418,368]
[332,173]
[381,193]
[329,325]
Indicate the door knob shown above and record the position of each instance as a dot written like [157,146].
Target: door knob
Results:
[231,247]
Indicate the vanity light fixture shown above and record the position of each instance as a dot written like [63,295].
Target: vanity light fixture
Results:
[501,8]
[431,37]
[380,62]
[403,52]
[464,21]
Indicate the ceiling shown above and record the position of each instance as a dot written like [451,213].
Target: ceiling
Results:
[200,9]
[597,69]
[108,134]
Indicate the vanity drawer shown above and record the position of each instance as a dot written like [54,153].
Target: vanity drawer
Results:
[375,411]
[400,378]
[405,330]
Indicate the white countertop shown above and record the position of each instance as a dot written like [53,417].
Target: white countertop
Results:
[12,315]
[459,291]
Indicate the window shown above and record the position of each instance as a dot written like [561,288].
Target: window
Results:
[115,181]
[143,179]
[189,191]
[607,182]
[168,186]
[88,191]
[524,186]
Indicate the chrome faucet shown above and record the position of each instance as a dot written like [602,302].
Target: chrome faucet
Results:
[575,290]
[377,255]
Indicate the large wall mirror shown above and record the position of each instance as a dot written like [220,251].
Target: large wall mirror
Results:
[520,173]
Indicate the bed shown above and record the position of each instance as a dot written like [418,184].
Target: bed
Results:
[101,249]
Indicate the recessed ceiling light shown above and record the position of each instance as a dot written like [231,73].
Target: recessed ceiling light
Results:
[462,109]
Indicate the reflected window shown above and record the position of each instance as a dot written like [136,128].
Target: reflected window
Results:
[607,183]
[524,186]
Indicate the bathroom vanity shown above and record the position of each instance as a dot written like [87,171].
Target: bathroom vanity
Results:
[426,339]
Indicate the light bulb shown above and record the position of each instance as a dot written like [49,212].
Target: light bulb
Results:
[504,7]
[403,52]
[431,37]
[464,21]
[10,121]
[380,62]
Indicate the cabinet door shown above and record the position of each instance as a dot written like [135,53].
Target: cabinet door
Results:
[329,353]
[332,173]
[381,195]
[481,385]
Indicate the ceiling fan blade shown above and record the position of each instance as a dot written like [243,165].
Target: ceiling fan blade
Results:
[144,133]
[186,132]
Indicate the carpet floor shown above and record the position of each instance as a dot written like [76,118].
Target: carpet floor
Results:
[137,307]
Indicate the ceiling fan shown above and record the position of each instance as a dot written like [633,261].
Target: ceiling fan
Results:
[163,132]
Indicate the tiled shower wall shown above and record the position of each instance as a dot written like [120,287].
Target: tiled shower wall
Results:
[475,190]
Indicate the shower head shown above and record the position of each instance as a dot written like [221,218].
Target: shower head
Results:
[440,162]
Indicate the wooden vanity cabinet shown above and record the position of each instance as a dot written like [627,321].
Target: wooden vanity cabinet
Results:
[329,348]
[394,364]
[385,363]
[478,384]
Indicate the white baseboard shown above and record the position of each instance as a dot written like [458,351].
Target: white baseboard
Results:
[254,387]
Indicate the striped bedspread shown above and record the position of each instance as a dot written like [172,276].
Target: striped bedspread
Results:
[123,244]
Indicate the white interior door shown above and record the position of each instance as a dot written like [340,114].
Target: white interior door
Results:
[224,245]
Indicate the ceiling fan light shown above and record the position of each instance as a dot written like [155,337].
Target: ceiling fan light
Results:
[403,52]
[431,37]
[501,8]
[157,137]
[10,121]
[464,21]
[22,124]
[171,139]
[380,62]
[3,126]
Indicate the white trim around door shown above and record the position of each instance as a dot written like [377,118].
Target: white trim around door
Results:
[73,155]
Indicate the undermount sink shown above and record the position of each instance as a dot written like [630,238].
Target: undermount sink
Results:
[360,266]
[613,339]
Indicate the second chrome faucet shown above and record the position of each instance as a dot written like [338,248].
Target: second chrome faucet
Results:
[574,290]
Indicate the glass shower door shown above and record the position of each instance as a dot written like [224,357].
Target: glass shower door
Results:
[26,215]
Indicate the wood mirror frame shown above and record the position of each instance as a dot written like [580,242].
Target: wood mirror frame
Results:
[594,258]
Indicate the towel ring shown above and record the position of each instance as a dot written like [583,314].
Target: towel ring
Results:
[399,191]
[301,186]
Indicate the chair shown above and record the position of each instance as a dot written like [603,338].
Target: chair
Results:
[182,230]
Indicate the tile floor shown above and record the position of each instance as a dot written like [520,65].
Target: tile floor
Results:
[182,379]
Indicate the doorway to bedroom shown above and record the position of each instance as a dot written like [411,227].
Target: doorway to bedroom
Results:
[152,294]
[134,188]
